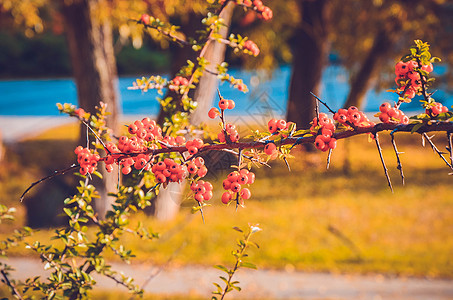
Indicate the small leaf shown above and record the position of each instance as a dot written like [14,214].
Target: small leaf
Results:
[238,229]
[248,265]
[416,127]
[223,268]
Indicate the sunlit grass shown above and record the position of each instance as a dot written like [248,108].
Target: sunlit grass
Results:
[372,230]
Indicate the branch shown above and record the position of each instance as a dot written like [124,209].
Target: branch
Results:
[398,161]
[323,103]
[10,285]
[56,173]
[376,139]
[437,150]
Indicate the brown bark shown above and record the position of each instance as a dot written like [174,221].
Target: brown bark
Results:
[311,48]
[166,204]
[90,44]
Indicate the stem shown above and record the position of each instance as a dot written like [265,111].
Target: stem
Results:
[328,159]
[399,166]
[237,264]
[323,103]
[450,146]
[11,285]
[433,146]
[376,139]
[56,173]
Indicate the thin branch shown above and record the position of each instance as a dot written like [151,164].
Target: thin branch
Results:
[450,146]
[437,150]
[97,137]
[376,139]
[328,158]
[323,103]
[398,161]
[56,173]
[11,285]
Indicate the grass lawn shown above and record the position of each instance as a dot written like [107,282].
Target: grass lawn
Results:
[344,219]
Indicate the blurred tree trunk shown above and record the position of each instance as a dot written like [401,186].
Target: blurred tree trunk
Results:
[360,82]
[90,44]
[311,49]
[166,204]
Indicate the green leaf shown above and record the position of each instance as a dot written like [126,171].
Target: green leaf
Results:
[238,229]
[223,268]
[248,265]
[416,127]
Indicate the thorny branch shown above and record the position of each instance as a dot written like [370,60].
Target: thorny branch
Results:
[433,146]
[376,139]
[398,161]
[295,140]
[11,285]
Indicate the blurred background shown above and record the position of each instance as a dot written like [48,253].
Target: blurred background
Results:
[343,219]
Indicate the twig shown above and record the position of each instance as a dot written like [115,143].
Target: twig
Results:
[376,139]
[437,150]
[450,145]
[56,173]
[11,285]
[399,164]
[97,137]
[201,211]
[323,103]
[328,159]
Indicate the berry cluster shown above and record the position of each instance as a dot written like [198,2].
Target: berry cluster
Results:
[251,47]
[233,186]
[408,78]
[177,82]
[196,167]
[202,190]
[435,108]
[323,128]
[352,116]
[231,132]
[168,171]
[87,160]
[389,114]
[146,129]
[275,125]
[229,129]
[264,11]
[193,146]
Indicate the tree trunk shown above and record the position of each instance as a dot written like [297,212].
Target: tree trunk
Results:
[311,48]
[90,44]
[166,204]
[215,55]
[361,81]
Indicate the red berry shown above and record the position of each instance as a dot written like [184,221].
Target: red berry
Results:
[207,196]
[192,150]
[213,113]
[245,193]
[202,171]
[226,197]
[270,148]
[231,104]
[235,187]
[281,124]
[272,125]
[385,107]
[145,19]
[223,104]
